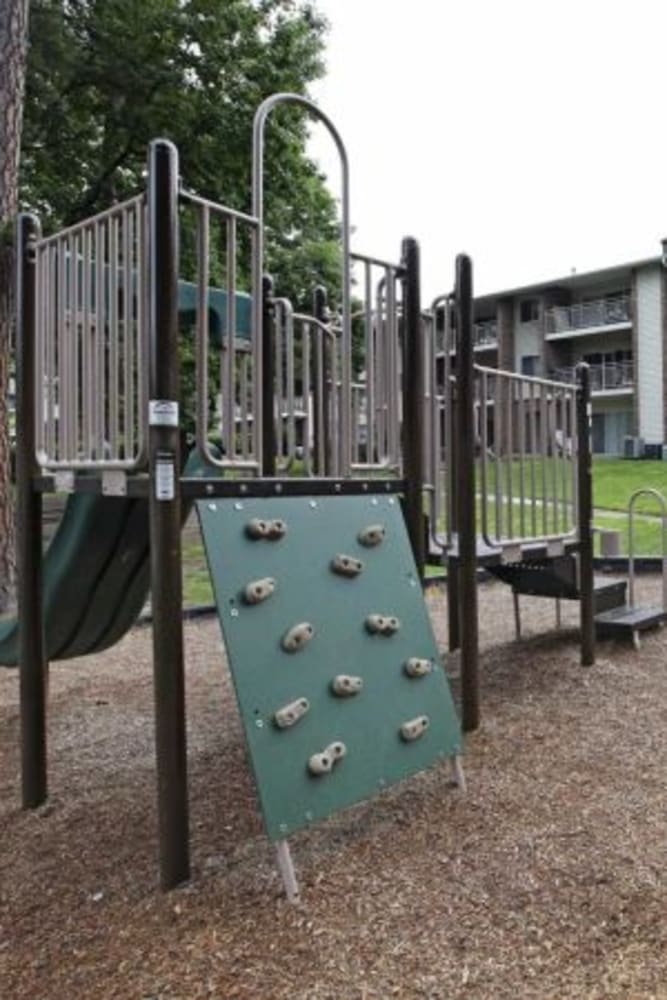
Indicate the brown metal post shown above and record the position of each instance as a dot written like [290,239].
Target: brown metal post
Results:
[465,495]
[585,515]
[413,401]
[32,654]
[165,516]
[268,379]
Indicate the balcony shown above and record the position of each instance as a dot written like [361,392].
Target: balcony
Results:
[613,312]
[615,378]
[485,335]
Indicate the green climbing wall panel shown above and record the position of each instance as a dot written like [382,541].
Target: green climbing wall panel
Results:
[308,591]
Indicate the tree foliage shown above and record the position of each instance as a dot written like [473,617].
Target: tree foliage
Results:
[106,76]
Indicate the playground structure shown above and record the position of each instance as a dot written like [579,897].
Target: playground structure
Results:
[335,415]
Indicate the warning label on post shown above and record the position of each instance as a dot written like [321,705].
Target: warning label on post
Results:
[164,478]
[163,413]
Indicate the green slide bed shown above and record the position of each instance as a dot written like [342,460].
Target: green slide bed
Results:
[96,575]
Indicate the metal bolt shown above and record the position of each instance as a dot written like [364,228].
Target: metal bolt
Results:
[259,723]
[364,487]
[309,815]
[234,612]
[209,488]
[381,783]
[374,502]
[238,506]
[313,504]
[391,501]
[212,506]
[243,488]
[278,487]
[337,487]
[283,828]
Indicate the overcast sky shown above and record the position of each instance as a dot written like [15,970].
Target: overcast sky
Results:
[530,134]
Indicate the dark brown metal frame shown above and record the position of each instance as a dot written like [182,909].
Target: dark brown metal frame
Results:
[32,655]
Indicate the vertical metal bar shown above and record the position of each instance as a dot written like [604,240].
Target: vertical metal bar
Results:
[521,420]
[113,337]
[544,455]
[245,404]
[484,501]
[267,381]
[370,366]
[508,397]
[51,334]
[308,402]
[532,444]
[291,393]
[325,377]
[98,350]
[466,497]
[585,515]
[61,353]
[32,652]
[497,448]
[74,401]
[449,418]
[554,459]
[281,382]
[229,343]
[203,234]
[563,460]
[128,353]
[42,279]
[413,401]
[165,519]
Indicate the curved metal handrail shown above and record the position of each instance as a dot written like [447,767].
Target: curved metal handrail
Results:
[259,125]
[657,495]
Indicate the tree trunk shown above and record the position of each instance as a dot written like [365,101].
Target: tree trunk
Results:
[13,47]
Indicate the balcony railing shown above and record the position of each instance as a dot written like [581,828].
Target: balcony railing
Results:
[582,315]
[607,377]
[485,333]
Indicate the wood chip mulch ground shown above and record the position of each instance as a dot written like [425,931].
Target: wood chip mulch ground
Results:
[547,880]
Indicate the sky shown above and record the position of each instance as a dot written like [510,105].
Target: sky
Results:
[531,135]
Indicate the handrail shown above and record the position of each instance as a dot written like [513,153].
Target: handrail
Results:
[657,495]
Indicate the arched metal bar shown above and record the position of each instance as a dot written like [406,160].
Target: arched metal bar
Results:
[259,126]
[657,495]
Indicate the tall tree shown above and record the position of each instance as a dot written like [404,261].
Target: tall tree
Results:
[13,30]
[106,76]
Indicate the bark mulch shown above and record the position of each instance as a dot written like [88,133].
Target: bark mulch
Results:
[547,880]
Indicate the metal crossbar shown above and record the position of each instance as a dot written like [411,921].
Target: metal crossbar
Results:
[91,374]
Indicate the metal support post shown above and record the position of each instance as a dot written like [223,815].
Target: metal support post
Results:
[585,515]
[165,516]
[413,401]
[32,653]
[465,496]
[268,380]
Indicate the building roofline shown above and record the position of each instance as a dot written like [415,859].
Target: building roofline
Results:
[568,280]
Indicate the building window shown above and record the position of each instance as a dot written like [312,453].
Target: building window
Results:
[529,311]
[530,364]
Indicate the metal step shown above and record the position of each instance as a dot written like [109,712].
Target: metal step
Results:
[628,621]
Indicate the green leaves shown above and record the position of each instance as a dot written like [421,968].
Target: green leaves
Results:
[106,76]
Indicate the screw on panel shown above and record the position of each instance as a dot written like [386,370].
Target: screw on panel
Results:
[243,488]
[374,502]
[234,612]
[309,815]
[238,506]
[283,828]
[209,488]
[364,487]
[278,488]
[212,506]
[337,487]
[381,783]
[313,504]
[259,723]
[391,501]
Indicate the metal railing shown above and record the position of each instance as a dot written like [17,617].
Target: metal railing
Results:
[227,368]
[604,377]
[527,451]
[607,311]
[91,342]
[309,374]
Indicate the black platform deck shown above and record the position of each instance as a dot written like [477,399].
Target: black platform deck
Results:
[627,620]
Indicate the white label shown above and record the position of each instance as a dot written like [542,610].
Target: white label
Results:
[164,480]
[163,413]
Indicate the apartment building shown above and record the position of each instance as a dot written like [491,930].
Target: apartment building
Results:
[616,320]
